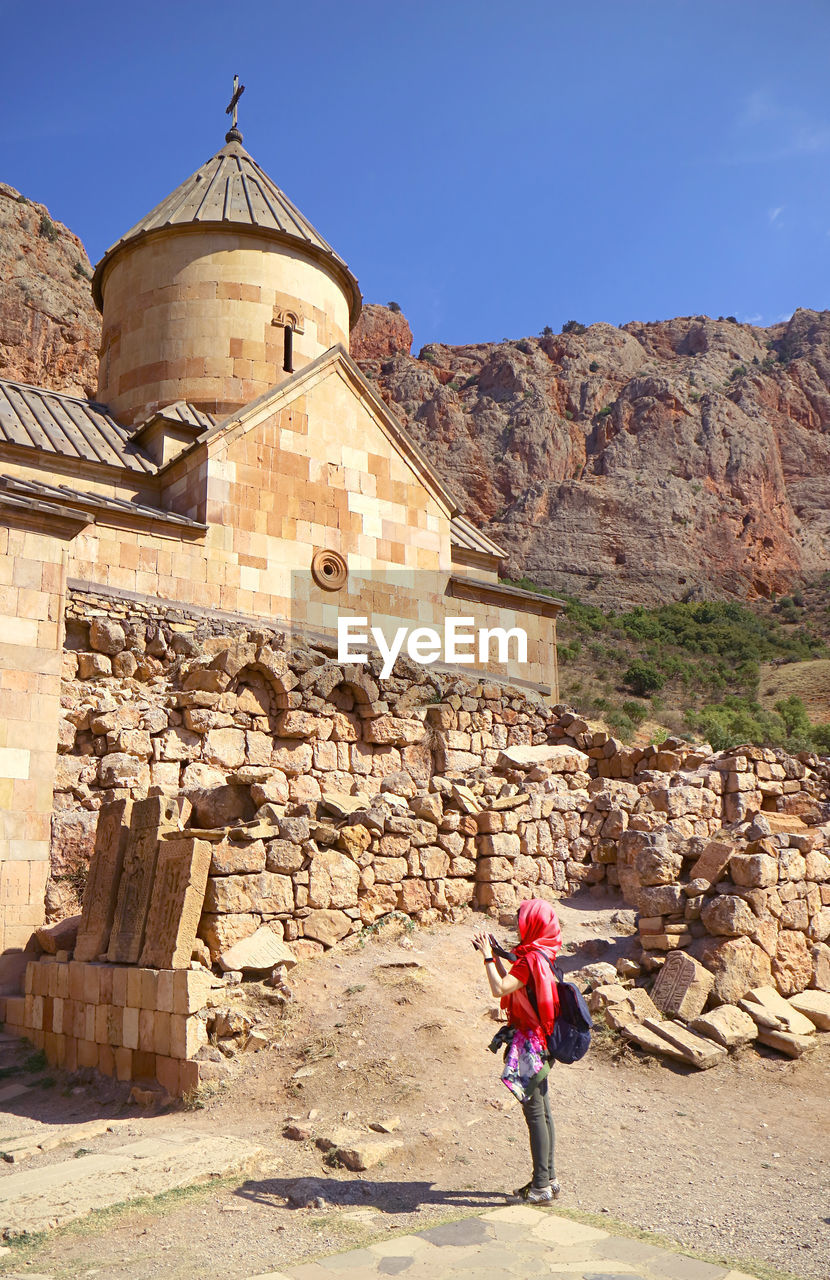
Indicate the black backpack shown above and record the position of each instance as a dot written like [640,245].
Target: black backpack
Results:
[570,1038]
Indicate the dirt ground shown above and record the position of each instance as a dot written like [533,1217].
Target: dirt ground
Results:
[732,1161]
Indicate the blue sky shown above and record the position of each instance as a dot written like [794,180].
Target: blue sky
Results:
[492,167]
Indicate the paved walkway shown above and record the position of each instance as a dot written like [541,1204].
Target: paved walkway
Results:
[517,1242]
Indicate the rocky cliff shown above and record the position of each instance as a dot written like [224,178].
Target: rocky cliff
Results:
[688,457]
[49,328]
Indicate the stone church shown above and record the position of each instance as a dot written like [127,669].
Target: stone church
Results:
[236,465]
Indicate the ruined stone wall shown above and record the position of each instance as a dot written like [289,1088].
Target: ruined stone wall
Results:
[753,904]
[318,800]
[352,784]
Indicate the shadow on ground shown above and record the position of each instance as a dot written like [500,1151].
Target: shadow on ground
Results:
[388,1197]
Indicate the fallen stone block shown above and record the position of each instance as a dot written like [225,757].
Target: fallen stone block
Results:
[773,1013]
[727,1025]
[255,1041]
[739,965]
[712,863]
[697,1051]
[297,1132]
[263,950]
[326,926]
[814,1005]
[593,975]
[53,938]
[558,759]
[367,1153]
[682,986]
[651,1042]
[622,1006]
[787,1042]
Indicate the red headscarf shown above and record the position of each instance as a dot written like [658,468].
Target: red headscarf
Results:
[541,939]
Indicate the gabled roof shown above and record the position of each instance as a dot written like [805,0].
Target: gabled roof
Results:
[184,412]
[231,191]
[463,533]
[54,423]
[285,392]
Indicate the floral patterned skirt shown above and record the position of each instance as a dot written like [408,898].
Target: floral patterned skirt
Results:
[526,1063]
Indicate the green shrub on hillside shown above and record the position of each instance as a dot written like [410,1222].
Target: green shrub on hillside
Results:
[722,627]
[642,678]
[47,228]
[569,652]
[736,720]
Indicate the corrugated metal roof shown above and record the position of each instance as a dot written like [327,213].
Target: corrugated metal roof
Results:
[232,190]
[20,492]
[463,533]
[52,422]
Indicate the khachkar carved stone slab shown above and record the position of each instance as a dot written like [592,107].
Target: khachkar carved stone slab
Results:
[682,986]
[150,819]
[176,905]
[101,892]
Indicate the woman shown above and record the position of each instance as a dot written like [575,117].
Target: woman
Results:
[529,997]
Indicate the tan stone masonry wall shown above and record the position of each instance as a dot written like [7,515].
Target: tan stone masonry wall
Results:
[32,579]
[191,316]
[132,1023]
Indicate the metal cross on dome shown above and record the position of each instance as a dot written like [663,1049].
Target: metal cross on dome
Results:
[230,109]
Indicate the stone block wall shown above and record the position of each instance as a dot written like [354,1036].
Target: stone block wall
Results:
[127,1022]
[31,603]
[236,723]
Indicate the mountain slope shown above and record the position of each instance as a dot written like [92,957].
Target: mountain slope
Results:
[686,458]
[679,459]
[49,328]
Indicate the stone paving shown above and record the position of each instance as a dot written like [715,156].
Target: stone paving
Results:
[517,1242]
[41,1199]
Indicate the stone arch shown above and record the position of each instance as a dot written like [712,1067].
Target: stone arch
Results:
[255,694]
[351,692]
[290,318]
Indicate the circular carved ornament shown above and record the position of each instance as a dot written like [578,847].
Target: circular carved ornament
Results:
[329,570]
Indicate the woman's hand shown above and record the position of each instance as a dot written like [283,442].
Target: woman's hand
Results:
[482,943]
[501,982]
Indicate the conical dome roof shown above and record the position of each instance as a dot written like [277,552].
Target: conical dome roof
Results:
[231,191]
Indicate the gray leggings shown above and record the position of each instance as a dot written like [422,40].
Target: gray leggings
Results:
[542,1134]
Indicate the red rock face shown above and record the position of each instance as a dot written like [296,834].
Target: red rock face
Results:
[683,459]
[379,334]
[49,328]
